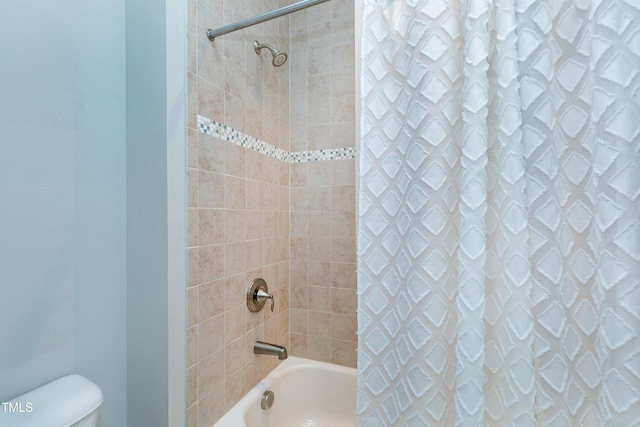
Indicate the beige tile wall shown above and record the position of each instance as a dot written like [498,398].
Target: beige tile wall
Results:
[244,219]
[323,244]
[238,205]
[323,257]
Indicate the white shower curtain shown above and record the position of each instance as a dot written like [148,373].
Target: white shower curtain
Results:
[499,213]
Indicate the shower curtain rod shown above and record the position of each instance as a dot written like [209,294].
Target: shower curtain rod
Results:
[212,34]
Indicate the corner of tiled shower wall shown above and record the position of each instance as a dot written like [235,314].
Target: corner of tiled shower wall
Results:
[239,207]
[323,241]
[238,204]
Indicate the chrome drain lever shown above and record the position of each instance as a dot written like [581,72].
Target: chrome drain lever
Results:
[267,399]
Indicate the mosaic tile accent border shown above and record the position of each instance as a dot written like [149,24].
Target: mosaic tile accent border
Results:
[319,155]
[219,130]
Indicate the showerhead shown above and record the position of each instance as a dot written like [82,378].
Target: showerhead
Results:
[279,58]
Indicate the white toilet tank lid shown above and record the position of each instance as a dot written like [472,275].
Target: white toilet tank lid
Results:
[60,403]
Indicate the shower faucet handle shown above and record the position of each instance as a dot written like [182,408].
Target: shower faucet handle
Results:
[257,295]
[263,296]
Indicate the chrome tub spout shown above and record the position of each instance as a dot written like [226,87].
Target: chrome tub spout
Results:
[272,349]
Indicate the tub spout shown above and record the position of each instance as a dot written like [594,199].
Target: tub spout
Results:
[265,348]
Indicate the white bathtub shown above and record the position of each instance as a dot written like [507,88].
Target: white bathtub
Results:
[307,394]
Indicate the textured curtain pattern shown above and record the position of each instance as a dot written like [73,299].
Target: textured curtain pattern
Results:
[499,213]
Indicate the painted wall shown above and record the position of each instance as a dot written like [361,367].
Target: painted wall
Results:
[156,197]
[63,197]
[92,190]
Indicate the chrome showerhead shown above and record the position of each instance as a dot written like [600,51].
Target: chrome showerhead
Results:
[279,58]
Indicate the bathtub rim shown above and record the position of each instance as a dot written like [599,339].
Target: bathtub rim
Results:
[235,415]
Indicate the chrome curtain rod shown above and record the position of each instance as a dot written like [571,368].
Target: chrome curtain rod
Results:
[212,34]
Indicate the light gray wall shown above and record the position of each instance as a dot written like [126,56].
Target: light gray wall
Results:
[156,110]
[63,197]
[176,113]
[92,270]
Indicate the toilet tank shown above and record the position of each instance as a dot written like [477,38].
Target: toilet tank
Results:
[69,401]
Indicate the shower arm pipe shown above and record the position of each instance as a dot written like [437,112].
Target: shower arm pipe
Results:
[212,34]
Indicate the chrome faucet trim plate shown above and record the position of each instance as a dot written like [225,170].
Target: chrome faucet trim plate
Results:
[257,295]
